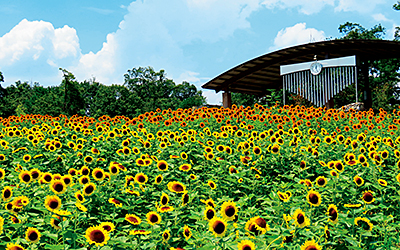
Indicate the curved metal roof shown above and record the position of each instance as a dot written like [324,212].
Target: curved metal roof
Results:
[259,74]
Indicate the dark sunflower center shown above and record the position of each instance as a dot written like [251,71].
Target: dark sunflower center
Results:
[275,150]
[178,188]
[162,166]
[311,248]
[126,151]
[300,219]
[99,175]
[97,236]
[321,182]
[212,185]
[164,200]
[141,179]
[210,214]
[158,179]
[230,211]
[114,170]
[165,236]
[358,181]
[186,199]
[26,178]
[187,233]
[333,214]
[368,197]
[67,181]
[219,227]
[261,223]
[85,172]
[35,175]
[33,236]
[53,204]
[7,193]
[339,167]
[107,228]
[58,187]
[153,218]
[313,198]
[47,178]
[246,247]
[89,190]
[80,197]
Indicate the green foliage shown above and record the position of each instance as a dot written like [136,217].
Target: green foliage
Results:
[1,77]
[396,6]
[144,90]
[383,74]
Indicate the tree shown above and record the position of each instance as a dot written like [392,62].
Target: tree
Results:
[73,101]
[383,74]
[187,96]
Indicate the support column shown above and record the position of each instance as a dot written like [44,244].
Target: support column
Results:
[330,104]
[367,91]
[226,99]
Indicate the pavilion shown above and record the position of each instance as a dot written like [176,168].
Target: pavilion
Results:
[259,74]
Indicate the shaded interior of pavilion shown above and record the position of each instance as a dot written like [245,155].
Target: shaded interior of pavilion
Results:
[257,76]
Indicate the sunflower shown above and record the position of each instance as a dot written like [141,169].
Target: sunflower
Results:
[89,189]
[164,209]
[275,149]
[88,159]
[300,219]
[246,245]
[98,174]
[80,206]
[334,173]
[217,226]
[210,202]
[153,218]
[186,232]
[58,187]
[2,173]
[193,177]
[212,184]
[176,187]
[382,182]
[310,245]
[185,167]
[257,225]
[229,210]
[133,219]
[46,177]
[116,202]
[139,232]
[2,157]
[52,203]
[368,197]
[35,174]
[141,178]
[164,199]
[97,235]
[162,165]
[283,197]
[25,177]
[32,235]
[314,198]
[158,179]
[339,166]
[364,223]
[67,179]
[113,169]
[6,193]
[83,180]
[185,198]
[358,180]
[321,181]
[166,235]
[333,213]
[352,205]
[12,246]
[398,177]
[209,213]
[27,158]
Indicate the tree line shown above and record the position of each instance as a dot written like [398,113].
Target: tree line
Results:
[143,90]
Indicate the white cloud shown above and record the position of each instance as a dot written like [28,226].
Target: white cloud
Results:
[297,34]
[380,17]
[307,7]
[363,6]
[212,97]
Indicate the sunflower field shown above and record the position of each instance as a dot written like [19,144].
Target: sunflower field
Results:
[211,178]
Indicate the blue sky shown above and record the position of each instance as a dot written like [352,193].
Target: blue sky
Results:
[192,40]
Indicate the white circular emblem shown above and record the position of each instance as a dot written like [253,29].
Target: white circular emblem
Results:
[315,68]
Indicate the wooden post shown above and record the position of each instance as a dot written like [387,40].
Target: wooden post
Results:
[330,104]
[226,99]
[367,90]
